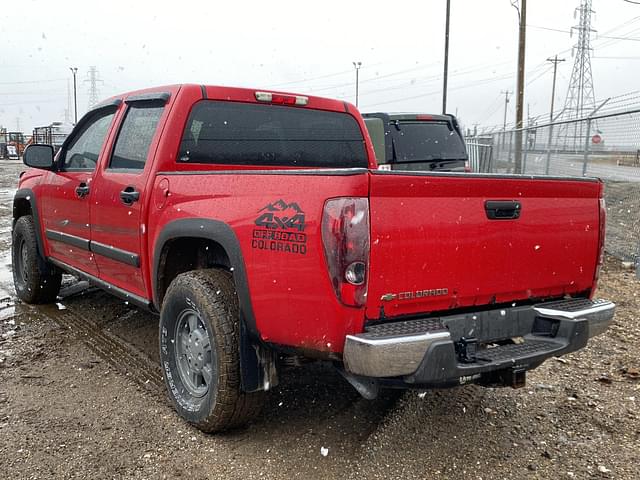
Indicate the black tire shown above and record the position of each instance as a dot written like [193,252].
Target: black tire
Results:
[34,281]
[199,307]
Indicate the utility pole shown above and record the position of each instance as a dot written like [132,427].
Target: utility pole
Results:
[506,104]
[446,60]
[74,71]
[357,66]
[522,11]
[555,60]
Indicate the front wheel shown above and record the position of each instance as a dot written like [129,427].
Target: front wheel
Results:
[34,283]
[199,351]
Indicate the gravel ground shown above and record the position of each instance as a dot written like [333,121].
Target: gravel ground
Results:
[80,397]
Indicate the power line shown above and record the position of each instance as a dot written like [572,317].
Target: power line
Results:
[598,36]
[477,83]
[25,82]
[618,58]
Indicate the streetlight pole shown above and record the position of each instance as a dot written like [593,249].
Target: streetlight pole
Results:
[357,66]
[446,60]
[74,70]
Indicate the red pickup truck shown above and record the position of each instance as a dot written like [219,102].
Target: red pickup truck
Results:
[258,226]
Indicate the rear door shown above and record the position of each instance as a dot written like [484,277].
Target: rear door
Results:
[69,193]
[443,241]
[121,195]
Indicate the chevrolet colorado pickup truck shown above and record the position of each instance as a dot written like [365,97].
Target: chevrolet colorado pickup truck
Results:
[258,226]
[417,142]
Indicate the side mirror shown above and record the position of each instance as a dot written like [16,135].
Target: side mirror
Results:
[38,156]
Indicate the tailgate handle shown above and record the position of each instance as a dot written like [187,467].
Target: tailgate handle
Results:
[502,209]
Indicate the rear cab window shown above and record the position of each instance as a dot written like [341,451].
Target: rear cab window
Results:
[234,133]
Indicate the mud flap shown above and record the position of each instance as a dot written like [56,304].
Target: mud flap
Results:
[257,364]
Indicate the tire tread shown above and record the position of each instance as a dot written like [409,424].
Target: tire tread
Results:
[232,407]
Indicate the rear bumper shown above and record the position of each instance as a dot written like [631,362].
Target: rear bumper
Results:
[464,348]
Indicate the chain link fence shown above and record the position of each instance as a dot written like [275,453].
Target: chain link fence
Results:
[605,146]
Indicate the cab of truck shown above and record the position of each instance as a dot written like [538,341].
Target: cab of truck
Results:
[417,142]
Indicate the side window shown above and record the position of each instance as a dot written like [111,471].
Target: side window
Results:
[83,151]
[134,138]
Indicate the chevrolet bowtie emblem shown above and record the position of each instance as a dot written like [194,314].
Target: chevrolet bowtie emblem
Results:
[387,297]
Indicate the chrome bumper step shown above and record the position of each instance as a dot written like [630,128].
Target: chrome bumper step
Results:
[395,349]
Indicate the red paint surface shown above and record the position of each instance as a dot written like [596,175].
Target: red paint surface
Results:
[427,232]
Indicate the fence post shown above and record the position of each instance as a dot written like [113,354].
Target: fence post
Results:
[526,150]
[587,137]
[491,167]
[547,166]
[510,148]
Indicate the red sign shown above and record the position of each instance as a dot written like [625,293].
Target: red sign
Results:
[596,139]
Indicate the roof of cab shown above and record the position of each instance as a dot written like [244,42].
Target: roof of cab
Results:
[237,94]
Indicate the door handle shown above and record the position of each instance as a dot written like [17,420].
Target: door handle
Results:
[82,190]
[129,195]
[502,209]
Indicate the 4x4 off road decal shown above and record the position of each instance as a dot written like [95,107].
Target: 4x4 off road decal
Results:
[281,228]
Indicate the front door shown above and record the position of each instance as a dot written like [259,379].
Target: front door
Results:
[119,211]
[68,192]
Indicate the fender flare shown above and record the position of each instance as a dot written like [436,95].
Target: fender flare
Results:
[28,195]
[220,233]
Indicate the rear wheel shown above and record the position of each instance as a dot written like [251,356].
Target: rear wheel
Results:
[34,283]
[199,351]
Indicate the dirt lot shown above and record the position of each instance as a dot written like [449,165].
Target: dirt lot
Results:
[81,397]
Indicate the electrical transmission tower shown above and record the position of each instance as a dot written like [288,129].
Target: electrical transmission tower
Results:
[93,78]
[581,100]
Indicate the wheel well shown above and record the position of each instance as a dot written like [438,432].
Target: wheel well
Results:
[21,207]
[185,254]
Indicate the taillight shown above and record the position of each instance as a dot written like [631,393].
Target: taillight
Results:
[345,237]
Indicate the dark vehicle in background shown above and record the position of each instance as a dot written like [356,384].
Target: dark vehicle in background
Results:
[417,142]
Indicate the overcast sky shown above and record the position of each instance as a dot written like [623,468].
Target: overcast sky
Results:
[306,47]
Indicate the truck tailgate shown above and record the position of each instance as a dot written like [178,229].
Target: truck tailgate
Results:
[435,247]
